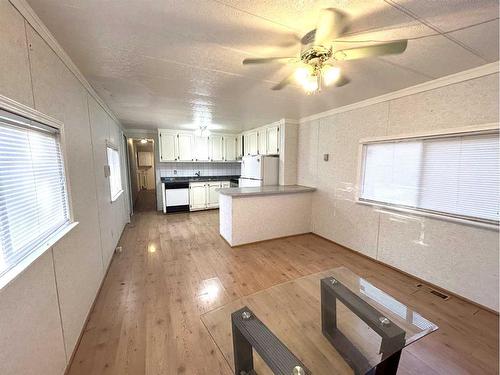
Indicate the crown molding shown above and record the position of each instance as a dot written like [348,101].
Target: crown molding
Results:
[32,18]
[451,79]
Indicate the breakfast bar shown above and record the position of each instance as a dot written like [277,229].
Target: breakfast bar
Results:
[252,214]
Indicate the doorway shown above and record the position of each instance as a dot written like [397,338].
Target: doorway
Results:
[142,174]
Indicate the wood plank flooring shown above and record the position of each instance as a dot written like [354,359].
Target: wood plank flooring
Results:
[173,268]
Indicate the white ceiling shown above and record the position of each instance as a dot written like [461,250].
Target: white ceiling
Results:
[167,63]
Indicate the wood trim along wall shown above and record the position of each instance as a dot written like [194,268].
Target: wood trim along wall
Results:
[31,17]
[466,75]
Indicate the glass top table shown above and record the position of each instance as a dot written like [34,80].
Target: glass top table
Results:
[332,322]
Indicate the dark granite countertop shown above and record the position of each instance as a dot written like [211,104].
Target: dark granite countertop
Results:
[198,178]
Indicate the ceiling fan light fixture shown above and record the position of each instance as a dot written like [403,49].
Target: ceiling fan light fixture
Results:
[331,74]
[302,74]
[311,84]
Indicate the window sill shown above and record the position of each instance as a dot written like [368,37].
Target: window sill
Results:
[117,195]
[384,207]
[13,273]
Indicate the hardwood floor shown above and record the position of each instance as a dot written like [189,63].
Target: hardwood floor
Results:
[173,268]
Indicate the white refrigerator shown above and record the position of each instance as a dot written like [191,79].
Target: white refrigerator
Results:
[259,170]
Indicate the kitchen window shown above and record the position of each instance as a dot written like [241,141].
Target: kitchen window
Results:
[115,178]
[452,175]
[34,205]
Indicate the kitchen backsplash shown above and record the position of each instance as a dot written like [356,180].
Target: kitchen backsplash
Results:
[206,169]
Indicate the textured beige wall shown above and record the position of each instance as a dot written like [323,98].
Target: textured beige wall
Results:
[251,217]
[460,258]
[52,297]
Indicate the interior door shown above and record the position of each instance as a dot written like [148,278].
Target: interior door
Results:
[201,152]
[197,196]
[167,146]
[213,194]
[185,146]
[272,135]
[216,147]
[229,148]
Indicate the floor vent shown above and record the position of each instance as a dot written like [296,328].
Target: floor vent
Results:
[440,295]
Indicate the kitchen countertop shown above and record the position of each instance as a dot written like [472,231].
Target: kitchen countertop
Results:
[266,190]
[198,178]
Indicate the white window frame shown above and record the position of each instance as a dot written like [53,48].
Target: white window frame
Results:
[467,130]
[22,110]
[110,145]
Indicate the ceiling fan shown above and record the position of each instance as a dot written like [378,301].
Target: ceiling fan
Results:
[315,66]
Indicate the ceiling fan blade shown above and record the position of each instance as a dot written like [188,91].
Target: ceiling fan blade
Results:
[342,81]
[371,51]
[284,82]
[332,24]
[264,60]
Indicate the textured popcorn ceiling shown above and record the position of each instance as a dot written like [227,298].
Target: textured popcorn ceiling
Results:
[161,63]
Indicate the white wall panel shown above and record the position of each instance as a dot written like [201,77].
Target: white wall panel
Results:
[336,215]
[53,296]
[14,64]
[78,261]
[441,252]
[31,341]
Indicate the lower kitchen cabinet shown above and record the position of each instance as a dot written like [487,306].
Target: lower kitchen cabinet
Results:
[204,195]
[213,194]
[197,196]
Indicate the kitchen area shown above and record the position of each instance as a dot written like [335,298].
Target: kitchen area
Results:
[249,177]
[194,165]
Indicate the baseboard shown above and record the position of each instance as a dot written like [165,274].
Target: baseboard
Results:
[270,239]
[425,282]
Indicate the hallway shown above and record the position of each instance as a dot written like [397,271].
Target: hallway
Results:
[146,201]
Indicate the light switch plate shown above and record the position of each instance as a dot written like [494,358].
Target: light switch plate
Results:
[326,157]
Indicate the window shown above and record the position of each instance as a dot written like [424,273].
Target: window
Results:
[115,178]
[33,195]
[454,175]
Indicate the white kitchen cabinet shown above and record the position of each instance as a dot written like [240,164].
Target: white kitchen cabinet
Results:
[262,141]
[185,146]
[273,140]
[239,146]
[213,194]
[201,149]
[197,196]
[204,195]
[168,148]
[229,148]
[251,145]
[216,147]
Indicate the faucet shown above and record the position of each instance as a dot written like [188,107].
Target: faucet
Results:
[198,173]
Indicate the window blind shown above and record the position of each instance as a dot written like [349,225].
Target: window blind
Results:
[115,179]
[452,175]
[33,195]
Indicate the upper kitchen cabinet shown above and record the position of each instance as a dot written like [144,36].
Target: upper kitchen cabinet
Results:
[216,147]
[230,147]
[273,140]
[239,146]
[168,145]
[185,143]
[262,141]
[251,143]
[201,149]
